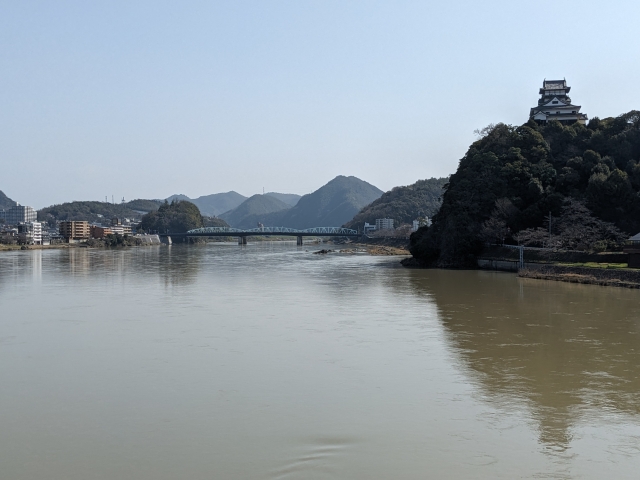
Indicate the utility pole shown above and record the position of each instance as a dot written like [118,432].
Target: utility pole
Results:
[549,226]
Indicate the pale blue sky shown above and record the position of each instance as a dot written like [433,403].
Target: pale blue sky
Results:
[147,99]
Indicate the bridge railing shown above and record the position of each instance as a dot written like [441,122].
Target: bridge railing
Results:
[275,230]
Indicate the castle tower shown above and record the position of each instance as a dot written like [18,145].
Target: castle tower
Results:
[555,104]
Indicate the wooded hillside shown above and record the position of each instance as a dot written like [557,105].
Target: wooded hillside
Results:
[513,177]
[403,204]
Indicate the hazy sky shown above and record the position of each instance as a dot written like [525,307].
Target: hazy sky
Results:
[146,99]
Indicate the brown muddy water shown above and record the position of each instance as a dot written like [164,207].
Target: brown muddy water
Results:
[269,362]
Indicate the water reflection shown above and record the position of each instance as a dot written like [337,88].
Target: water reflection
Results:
[19,266]
[174,266]
[570,353]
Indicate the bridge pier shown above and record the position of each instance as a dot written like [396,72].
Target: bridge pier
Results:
[166,239]
[242,240]
[299,242]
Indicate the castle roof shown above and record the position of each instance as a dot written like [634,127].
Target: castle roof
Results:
[554,84]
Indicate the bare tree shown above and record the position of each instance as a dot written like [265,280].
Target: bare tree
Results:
[575,229]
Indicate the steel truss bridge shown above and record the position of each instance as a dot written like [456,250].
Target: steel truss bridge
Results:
[242,234]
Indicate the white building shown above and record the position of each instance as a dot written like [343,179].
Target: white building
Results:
[36,232]
[30,233]
[368,228]
[121,229]
[555,104]
[19,214]
[384,224]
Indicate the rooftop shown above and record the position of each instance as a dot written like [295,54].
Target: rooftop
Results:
[554,84]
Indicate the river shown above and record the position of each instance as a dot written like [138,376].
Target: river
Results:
[270,362]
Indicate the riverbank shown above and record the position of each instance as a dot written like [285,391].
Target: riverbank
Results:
[611,277]
[374,250]
[14,248]
[382,250]
[605,269]
[385,246]
[351,248]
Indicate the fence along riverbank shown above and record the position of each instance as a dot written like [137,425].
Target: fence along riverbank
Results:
[608,269]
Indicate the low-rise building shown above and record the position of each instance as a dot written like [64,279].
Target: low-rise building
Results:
[368,228]
[121,229]
[98,231]
[74,230]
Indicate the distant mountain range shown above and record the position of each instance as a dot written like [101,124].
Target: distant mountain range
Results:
[331,205]
[403,204]
[252,210]
[214,204]
[5,202]
[218,203]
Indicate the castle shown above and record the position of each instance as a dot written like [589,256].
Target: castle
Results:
[555,104]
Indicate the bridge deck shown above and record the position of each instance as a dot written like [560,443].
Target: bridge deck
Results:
[258,234]
[266,231]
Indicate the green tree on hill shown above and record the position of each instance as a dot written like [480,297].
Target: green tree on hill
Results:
[174,217]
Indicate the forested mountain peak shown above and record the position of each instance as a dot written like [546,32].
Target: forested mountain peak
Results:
[332,204]
[403,204]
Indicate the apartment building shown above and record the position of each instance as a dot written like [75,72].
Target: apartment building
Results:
[74,230]
[19,214]
[384,223]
